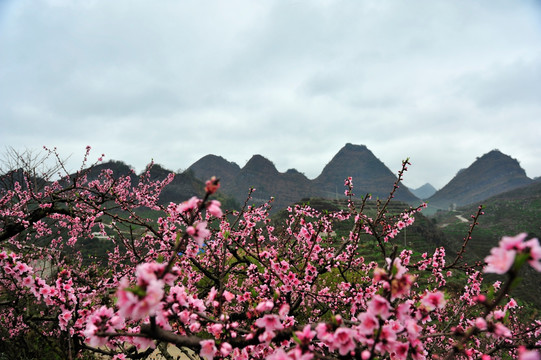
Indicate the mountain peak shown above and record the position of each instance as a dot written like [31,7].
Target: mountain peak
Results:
[368,172]
[213,165]
[488,175]
[424,192]
[350,147]
[496,162]
[261,164]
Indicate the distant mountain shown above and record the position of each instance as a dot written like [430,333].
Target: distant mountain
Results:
[119,169]
[424,192]
[261,174]
[8,180]
[369,174]
[183,186]
[491,174]
[213,165]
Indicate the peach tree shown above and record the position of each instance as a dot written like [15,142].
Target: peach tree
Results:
[220,284]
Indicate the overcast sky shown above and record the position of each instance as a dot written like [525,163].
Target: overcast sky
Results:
[441,82]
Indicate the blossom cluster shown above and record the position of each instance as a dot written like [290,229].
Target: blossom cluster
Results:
[502,258]
[239,285]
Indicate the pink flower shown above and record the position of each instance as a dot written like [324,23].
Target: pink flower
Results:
[369,323]
[284,310]
[269,322]
[400,351]
[513,242]
[199,232]
[306,335]
[524,354]
[138,302]
[189,205]
[214,208]
[64,318]
[215,329]
[28,281]
[433,300]
[323,333]
[146,272]
[379,306]
[480,323]
[343,341]
[208,349]
[266,305]
[266,337]
[142,343]
[297,354]
[279,354]
[103,320]
[535,253]
[501,330]
[499,261]
[511,304]
[228,296]
[225,349]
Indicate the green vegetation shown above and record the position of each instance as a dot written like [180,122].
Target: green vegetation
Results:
[507,214]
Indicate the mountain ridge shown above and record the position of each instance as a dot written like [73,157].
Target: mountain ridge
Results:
[369,173]
[488,175]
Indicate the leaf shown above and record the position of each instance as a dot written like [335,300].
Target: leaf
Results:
[137,290]
[520,259]
[515,282]
[296,338]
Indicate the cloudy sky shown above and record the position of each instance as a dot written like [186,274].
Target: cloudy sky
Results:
[441,82]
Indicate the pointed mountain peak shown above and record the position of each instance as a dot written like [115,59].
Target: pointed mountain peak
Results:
[368,172]
[158,172]
[497,163]
[213,158]
[260,164]
[495,153]
[351,146]
[489,175]
[119,169]
[213,165]
[425,191]
[353,160]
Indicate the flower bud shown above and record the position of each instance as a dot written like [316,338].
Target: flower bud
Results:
[212,185]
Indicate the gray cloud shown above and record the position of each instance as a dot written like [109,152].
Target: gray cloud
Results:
[441,82]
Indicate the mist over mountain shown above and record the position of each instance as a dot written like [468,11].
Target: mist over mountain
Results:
[424,192]
[491,174]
